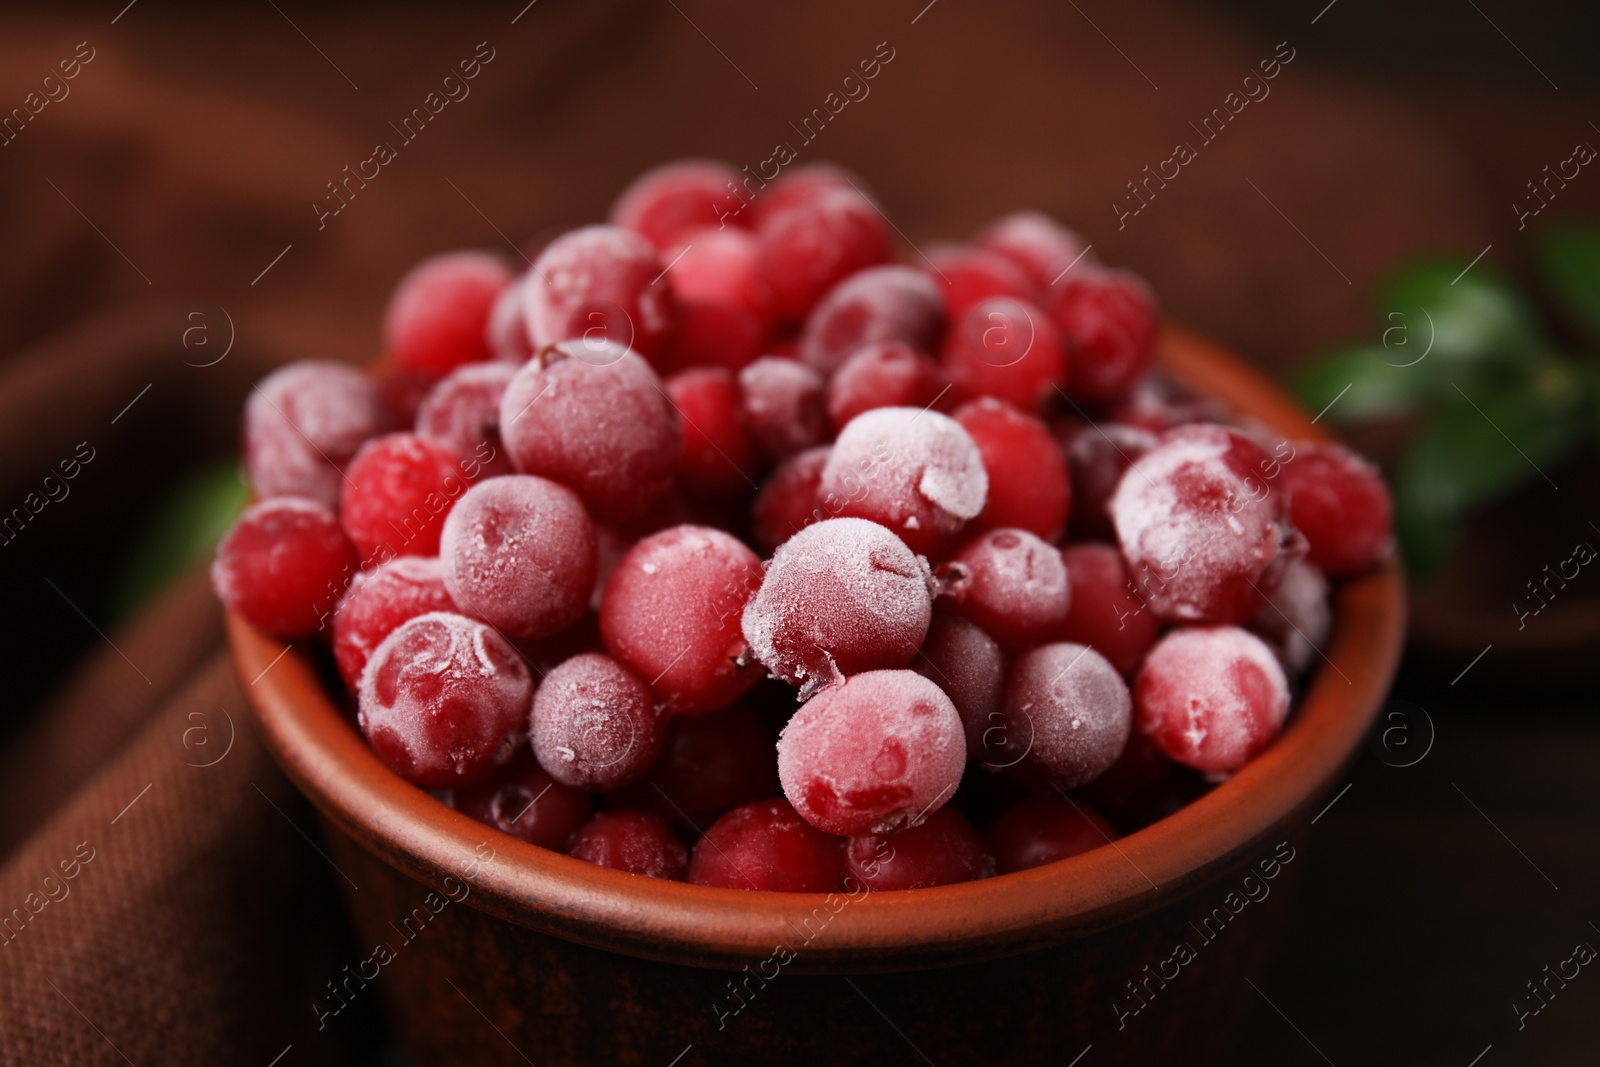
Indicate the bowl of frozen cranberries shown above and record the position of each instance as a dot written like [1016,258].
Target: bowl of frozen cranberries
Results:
[723,564]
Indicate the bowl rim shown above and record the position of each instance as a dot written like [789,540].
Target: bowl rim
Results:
[324,754]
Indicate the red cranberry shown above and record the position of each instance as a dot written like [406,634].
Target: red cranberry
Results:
[1097,455]
[594,724]
[943,850]
[437,318]
[506,332]
[1044,830]
[1338,500]
[723,303]
[1066,717]
[672,609]
[916,472]
[808,248]
[1028,484]
[1159,404]
[1039,245]
[1211,697]
[767,846]
[303,423]
[521,800]
[885,374]
[798,185]
[709,763]
[443,700]
[717,452]
[1005,348]
[1011,584]
[840,597]
[284,565]
[633,841]
[1298,618]
[378,602]
[601,284]
[967,664]
[875,754]
[667,202]
[462,413]
[968,275]
[1107,320]
[787,502]
[398,490]
[1103,611]
[783,406]
[889,303]
[596,421]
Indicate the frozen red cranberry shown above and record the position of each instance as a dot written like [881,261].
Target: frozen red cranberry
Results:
[1011,584]
[1103,611]
[1028,484]
[875,754]
[1039,245]
[1005,348]
[443,700]
[1065,717]
[725,309]
[1043,830]
[668,201]
[596,420]
[519,553]
[600,283]
[889,303]
[1211,697]
[379,601]
[672,611]
[438,316]
[1158,404]
[969,274]
[798,185]
[709,763]
[397,492]
[1338,500]
[1205,537]
[595,724]
[784,406]
[1107,320]
[787,502]
[1137,789]
[401,392]
[916,472]
[967,664]
[767,846]
[462,413]
[718,456]
[302,424]
[885,374]
[633,841]
[840,597]
[1297,619]
[809,247]
[943,850]
[284,565]
[1097,455]
[520,799]
[506,332]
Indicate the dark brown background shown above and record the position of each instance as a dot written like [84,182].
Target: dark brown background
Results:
[190,151]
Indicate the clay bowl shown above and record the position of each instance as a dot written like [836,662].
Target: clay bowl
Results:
[489,950]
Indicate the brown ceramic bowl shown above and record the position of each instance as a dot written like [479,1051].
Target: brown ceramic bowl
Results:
[530,956]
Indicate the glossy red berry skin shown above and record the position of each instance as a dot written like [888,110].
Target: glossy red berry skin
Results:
[1103,612]
[709,764]
[378,601]
[788,502]
[595,724]
[724,307]
[809,247]
[1097,456]
[718,455]
[667,202]
[284,566]
[520,799]
[879,304]
[1043,830]
[885,374]
[634,841]
[969,274]
[398,491]
[601,284]
[1029,487]
[766,845]
[1038,245]
[443,700]
[1211,697]
[437,318]
[943,850]
[784,406]
[1005,348]
[462,412]
[1338,500]
[1108,324]
[302,425]
[1010,583]
[672,610]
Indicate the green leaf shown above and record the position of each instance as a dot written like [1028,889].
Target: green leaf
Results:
[185,526]
[1426,538]
[1568,258]
[1457,318]
[1369,381]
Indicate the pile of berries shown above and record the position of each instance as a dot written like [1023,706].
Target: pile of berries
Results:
[720,545]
